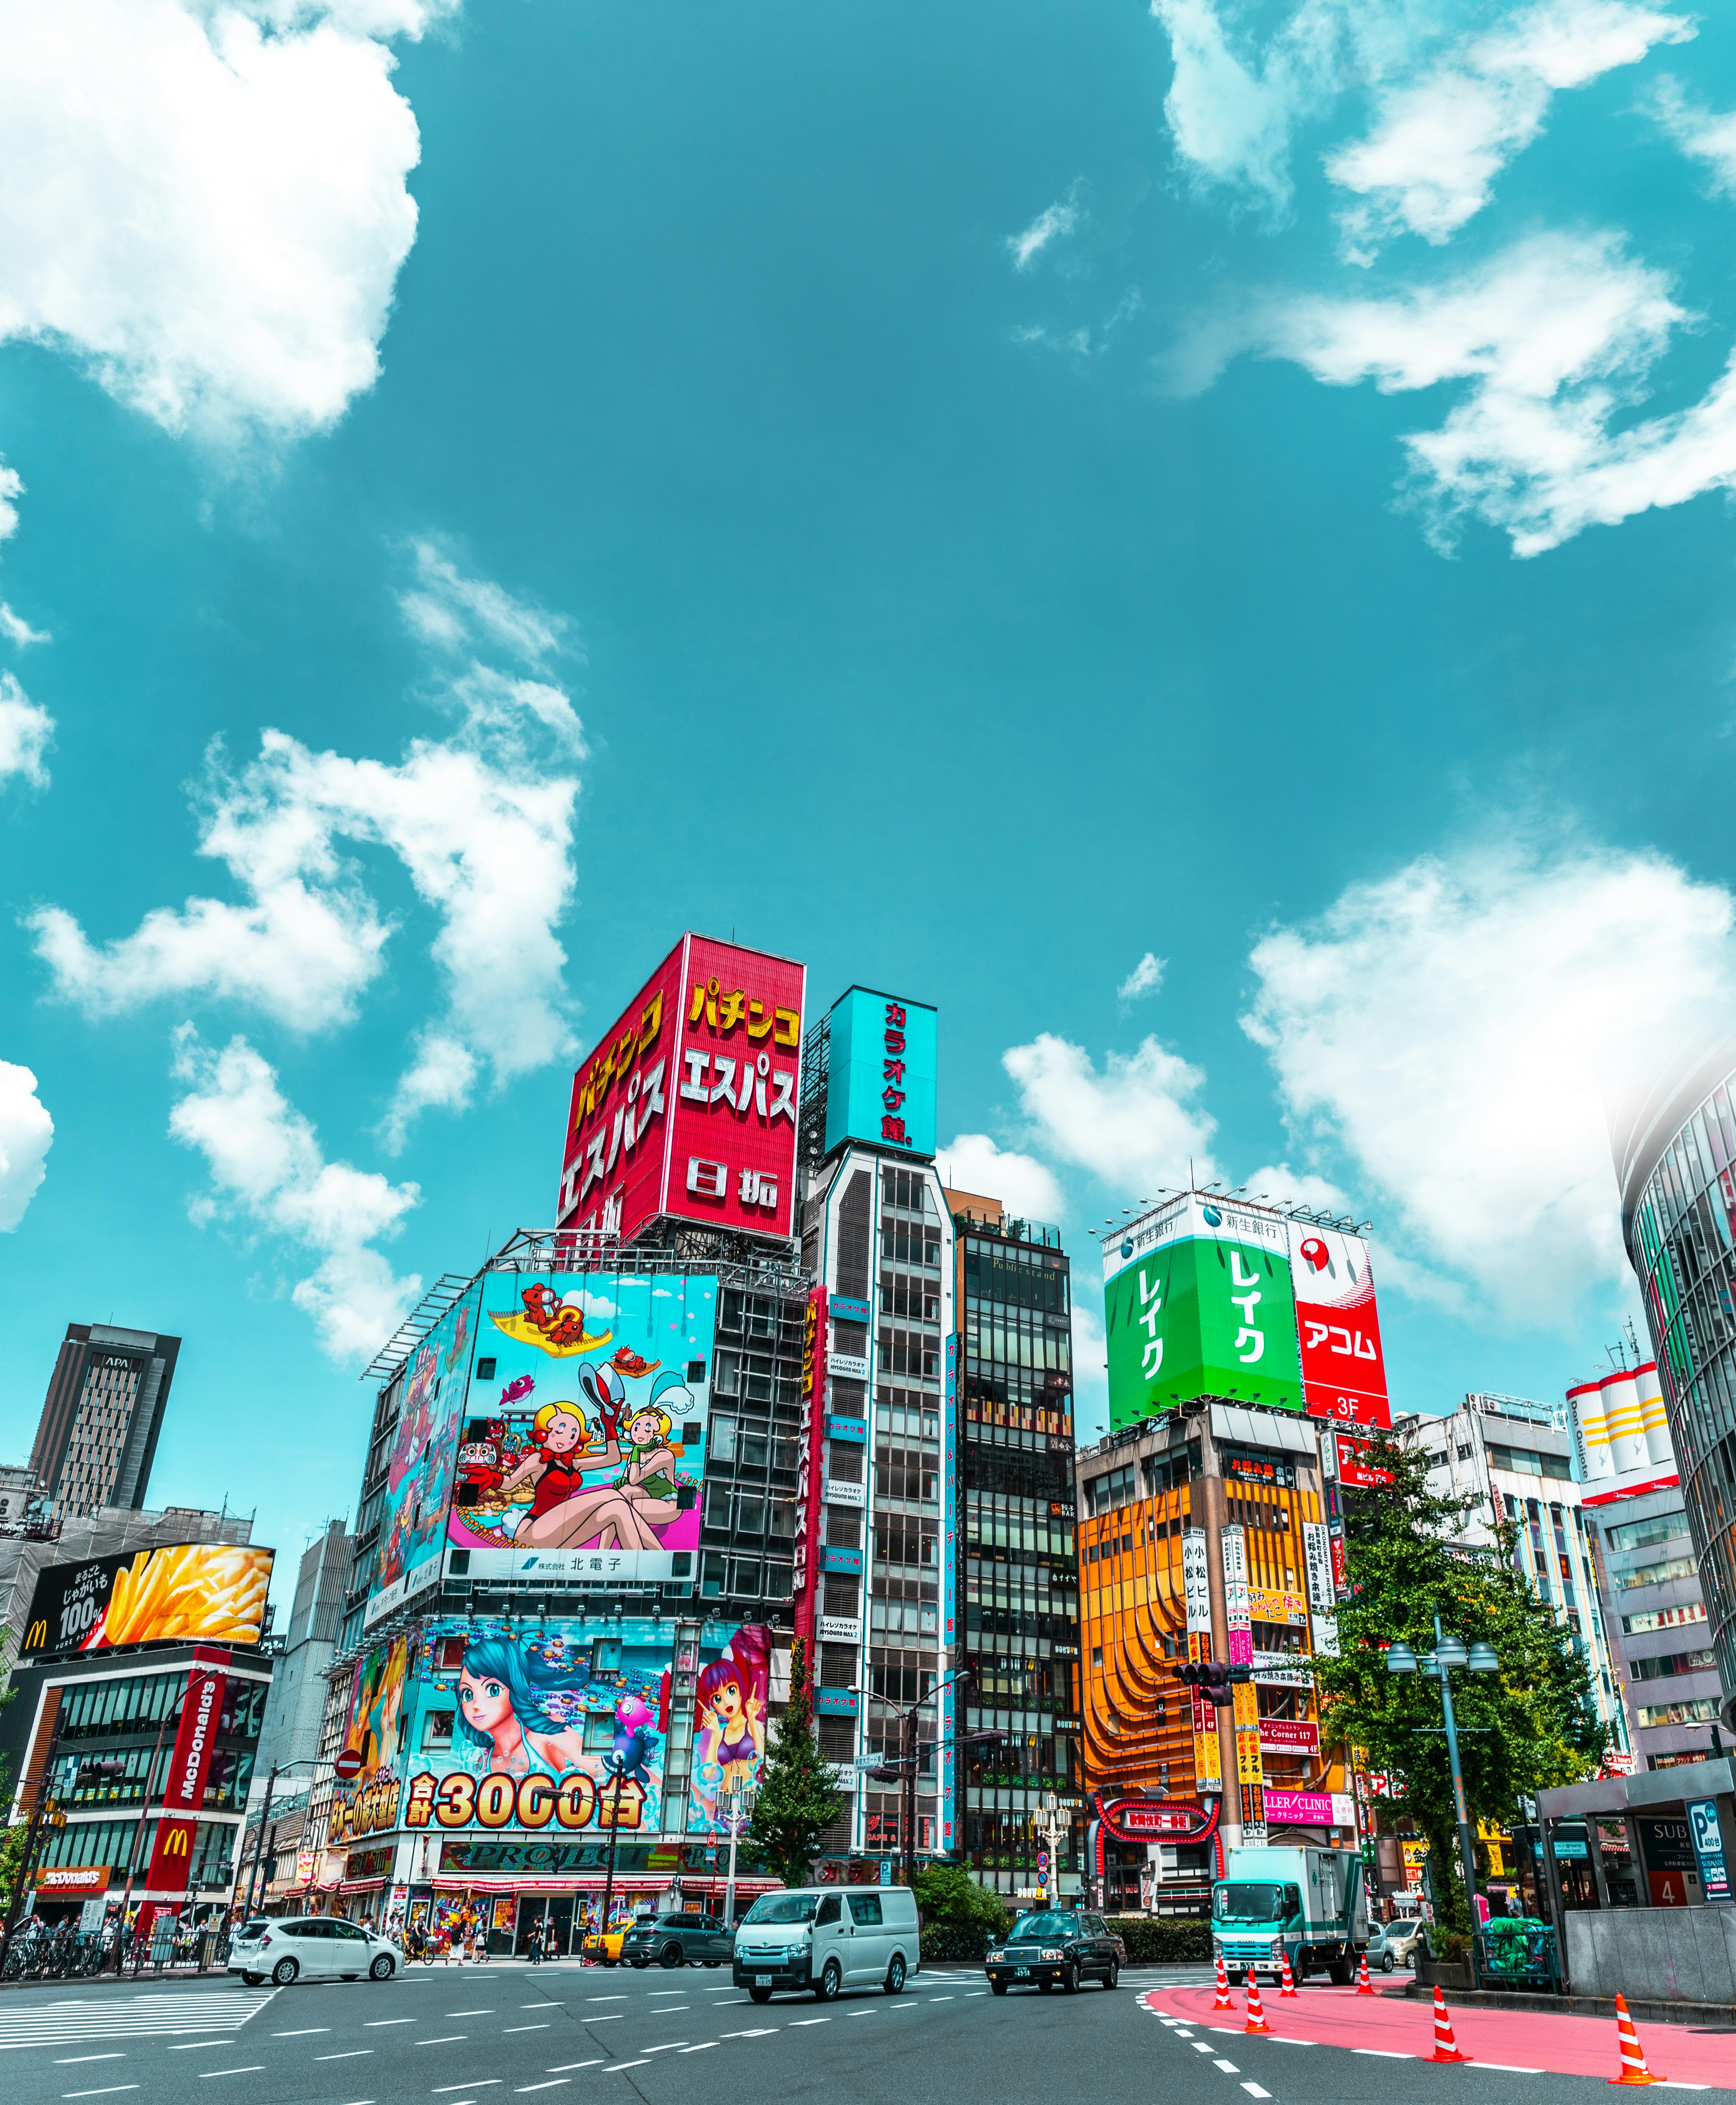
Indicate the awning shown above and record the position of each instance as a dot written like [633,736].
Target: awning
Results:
[364,1886]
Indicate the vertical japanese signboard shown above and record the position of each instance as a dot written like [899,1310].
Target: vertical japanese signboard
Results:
[1344,1369]
[1250,1774]
[1208,1765]
[949,1582]
[189,1765]
[881,1057]
[810,1487]
[688,1107]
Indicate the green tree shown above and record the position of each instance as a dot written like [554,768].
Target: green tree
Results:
[797,1801]
[946,1893]
[1530,1727]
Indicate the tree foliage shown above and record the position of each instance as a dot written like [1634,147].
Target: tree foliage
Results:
[797,1801]
[1528,1728]
[947,1894]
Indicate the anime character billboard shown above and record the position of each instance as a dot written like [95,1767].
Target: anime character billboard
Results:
[381,1702]
[729,1727]
[419,1477]
[561,1727]
[587,1458]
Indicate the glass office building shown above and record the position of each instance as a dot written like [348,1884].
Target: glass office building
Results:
[1675,1157]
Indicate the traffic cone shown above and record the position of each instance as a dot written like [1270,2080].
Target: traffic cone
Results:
[1364,1985]
[1289,1986]
[1446,2046]
[1634,2069]
[1256,2015]
[1223,2001]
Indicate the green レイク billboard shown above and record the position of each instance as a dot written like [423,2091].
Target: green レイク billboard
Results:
[1202,1316]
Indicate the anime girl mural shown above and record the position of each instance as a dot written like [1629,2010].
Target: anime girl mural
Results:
[520,1714]
[730,1701]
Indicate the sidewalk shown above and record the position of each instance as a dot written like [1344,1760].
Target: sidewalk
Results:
[1520,2043]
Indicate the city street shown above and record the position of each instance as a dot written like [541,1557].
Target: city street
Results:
[452,2037]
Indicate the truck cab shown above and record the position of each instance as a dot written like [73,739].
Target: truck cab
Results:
[1305,1905]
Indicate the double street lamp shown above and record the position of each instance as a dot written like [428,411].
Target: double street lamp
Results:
[1449,1653]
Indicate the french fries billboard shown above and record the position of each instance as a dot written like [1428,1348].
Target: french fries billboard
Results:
[214,1592]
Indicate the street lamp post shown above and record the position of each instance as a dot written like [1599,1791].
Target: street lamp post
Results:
[740,1800]
[906,1759]
[1450,1652]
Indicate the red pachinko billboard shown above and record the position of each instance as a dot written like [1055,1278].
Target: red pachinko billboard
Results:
[1344,1369]
[688,1106]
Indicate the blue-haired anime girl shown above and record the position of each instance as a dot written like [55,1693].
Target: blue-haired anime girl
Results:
[510,1706]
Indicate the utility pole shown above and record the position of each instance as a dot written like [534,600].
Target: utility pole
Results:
[45,1804]
[615,1829]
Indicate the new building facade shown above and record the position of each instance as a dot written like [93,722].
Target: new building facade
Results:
[1675,1163]
[97,1435]
[1515,1457]
[1014,1559]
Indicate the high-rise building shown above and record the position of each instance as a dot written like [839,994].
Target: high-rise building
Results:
[874,1593]
[1016,1571]
[98,1432]
[1515,1456]
[1674,1151]
[290,1737]
[1653,1608]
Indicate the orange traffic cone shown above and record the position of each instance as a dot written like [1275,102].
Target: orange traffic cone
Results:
[1223,2001]
[1256,2015]
[1446,2046]
[1634,2069]
[1364,1985]
[1288,1986]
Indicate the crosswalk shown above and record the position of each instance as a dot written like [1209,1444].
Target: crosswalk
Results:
[217,2011]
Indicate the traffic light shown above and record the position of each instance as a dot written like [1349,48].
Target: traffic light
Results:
[1212,1678]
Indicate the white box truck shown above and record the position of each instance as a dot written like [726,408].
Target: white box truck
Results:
[1310,1904]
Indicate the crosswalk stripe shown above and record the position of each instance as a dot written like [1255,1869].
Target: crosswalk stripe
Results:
[115,2016]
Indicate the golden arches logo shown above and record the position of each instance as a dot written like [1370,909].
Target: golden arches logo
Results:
[175,1842]
[37,1636]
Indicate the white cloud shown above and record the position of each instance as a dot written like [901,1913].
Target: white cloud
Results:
[1146,978]
[1702,135]
[1024,1186]
[1088,340]
[1135,1125]
[1556,336]
[450,611]
[1456,1031]
[26,1134]
[485,847]
[439,1078]
[205,203]
[1055,222]
[17,630]
[266,1163]
[1439,143]
[1231,109]
[25,732]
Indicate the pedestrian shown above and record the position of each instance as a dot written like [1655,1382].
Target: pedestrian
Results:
[533,1944]
[482,1938]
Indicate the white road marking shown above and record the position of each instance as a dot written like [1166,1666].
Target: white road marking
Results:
[1383,2053]
[553,2083]
[700,2048]
[470,2013]
[355,2053]
[763,2032]
[1228,2067]
[525,2028]
[976,1991]
[671,2010]
[1511,2068]
[943,1999]
[446,2038]
[373,2024]
[562,2067]
[476,2083]
[108,2093]
[252,2069]
[621,2064]
[1201,2046]
[307,2031]
[800,2021]
[188,2046]
[1254,2090]
[668,2046]
[589,1999]
[608,2018]
[67,2060]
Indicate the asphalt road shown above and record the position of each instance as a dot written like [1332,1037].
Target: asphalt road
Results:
[502,2034]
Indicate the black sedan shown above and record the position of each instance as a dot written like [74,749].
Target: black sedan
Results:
[1056,1948]
[678,1940]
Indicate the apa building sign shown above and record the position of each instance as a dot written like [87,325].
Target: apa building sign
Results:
[688,1106]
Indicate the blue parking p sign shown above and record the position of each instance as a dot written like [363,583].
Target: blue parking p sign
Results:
[1708,1845]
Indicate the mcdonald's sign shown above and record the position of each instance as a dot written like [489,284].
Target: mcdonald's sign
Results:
[175,1845]
[36,1637]
[171,1857]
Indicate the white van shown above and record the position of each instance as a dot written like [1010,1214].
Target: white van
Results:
[828,1938]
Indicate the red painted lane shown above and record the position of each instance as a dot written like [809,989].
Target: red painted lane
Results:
[1562,2045]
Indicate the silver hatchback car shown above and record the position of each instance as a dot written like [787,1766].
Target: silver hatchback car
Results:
[1394,1943]
[314,1947]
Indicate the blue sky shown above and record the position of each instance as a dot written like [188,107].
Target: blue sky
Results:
[1194,539]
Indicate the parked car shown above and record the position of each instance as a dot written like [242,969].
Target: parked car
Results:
[605,1947]
[1394,1943]
[828,1939]
[1053,1946]
[679,1940]
[314,1947]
